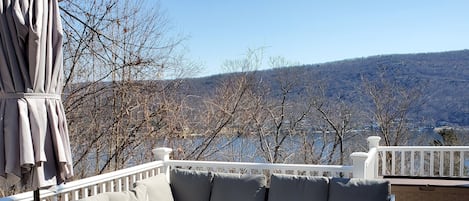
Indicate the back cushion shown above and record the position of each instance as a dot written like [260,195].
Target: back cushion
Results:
[190,185]
[358,190]
[298,188]
[236,187]
[153,188]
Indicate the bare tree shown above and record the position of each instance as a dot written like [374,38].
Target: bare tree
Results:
[285,119]
[392,103]
[338,115]
[211,124]
[221,112]
[276,119]
[116,55]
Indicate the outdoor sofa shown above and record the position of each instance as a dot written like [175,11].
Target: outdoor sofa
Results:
[192,185]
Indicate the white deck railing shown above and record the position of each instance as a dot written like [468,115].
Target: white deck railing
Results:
[424,161]
[122,180]
[411,161]
[117,181]
[266,168]
[378,161]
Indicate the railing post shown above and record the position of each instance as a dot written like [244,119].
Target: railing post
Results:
[162,154]
[373,143]
[359,166]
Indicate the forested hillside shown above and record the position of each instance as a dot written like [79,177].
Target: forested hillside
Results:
[443,78]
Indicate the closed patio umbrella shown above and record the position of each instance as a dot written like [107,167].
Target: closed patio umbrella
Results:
[34,142]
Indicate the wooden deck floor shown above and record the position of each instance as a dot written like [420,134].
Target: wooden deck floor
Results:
[426,189]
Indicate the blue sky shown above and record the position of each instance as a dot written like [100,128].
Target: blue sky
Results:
[310,32]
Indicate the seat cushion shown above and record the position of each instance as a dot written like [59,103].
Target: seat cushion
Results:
[190,185]
[155,188]
[236,187]
[298,188]
[358,190]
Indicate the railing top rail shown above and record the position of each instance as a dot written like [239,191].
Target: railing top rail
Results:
[74,185]
[271,166]
[423,148]
[111,175]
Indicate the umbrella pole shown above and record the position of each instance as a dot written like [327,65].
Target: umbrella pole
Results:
[36,195]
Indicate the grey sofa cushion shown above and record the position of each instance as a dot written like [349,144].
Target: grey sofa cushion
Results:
[155,188]
[112,196]
[358,190]
[236,187]
[298,188]
[190,185]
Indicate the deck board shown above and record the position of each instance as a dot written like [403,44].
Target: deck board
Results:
[412,189]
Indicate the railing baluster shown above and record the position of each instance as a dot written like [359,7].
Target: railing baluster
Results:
[134,178]
[140,176]
[461,164]
[383,163]
[422,163]
[94,190]
[84,192]
[76,195]
[402,172]
[451,163]
[112,186]
[393,163]
[103,188]
[412,173]
[432,163]
[441,163]
[119,185]
[127,183]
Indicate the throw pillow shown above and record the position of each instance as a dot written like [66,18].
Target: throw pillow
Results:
[298,188]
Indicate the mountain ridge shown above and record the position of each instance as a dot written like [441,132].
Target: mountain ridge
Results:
[445,75]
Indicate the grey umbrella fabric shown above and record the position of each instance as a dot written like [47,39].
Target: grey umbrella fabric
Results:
[34,142]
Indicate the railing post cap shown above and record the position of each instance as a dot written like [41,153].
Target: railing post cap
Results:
[373,141]
[359,155]
[162,153]
[163,149]
[374,138]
